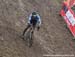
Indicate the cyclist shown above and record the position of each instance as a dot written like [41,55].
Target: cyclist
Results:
[34,20]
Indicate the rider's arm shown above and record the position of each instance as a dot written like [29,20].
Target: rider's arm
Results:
[39,20]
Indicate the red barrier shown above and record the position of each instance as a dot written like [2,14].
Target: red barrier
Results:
[68,14]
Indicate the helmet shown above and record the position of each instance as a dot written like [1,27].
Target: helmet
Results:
[34,13]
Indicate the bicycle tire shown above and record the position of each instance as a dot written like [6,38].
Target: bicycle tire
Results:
[29,38]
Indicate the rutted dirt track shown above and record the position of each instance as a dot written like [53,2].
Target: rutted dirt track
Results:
[52,39]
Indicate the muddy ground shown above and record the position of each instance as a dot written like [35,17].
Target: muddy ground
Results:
[52,39]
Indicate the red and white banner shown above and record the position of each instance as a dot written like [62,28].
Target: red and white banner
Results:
[69,15]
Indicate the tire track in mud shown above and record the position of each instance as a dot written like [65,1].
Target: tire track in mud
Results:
[21,5]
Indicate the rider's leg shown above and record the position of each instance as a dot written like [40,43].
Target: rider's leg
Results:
[33,28]
[26,29]
[38,27]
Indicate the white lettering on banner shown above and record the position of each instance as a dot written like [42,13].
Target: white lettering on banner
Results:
[66,20]
[70,17]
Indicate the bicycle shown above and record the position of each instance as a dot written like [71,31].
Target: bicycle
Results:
[28,37]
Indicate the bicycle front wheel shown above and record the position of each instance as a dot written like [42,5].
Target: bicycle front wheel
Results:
[30,39]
